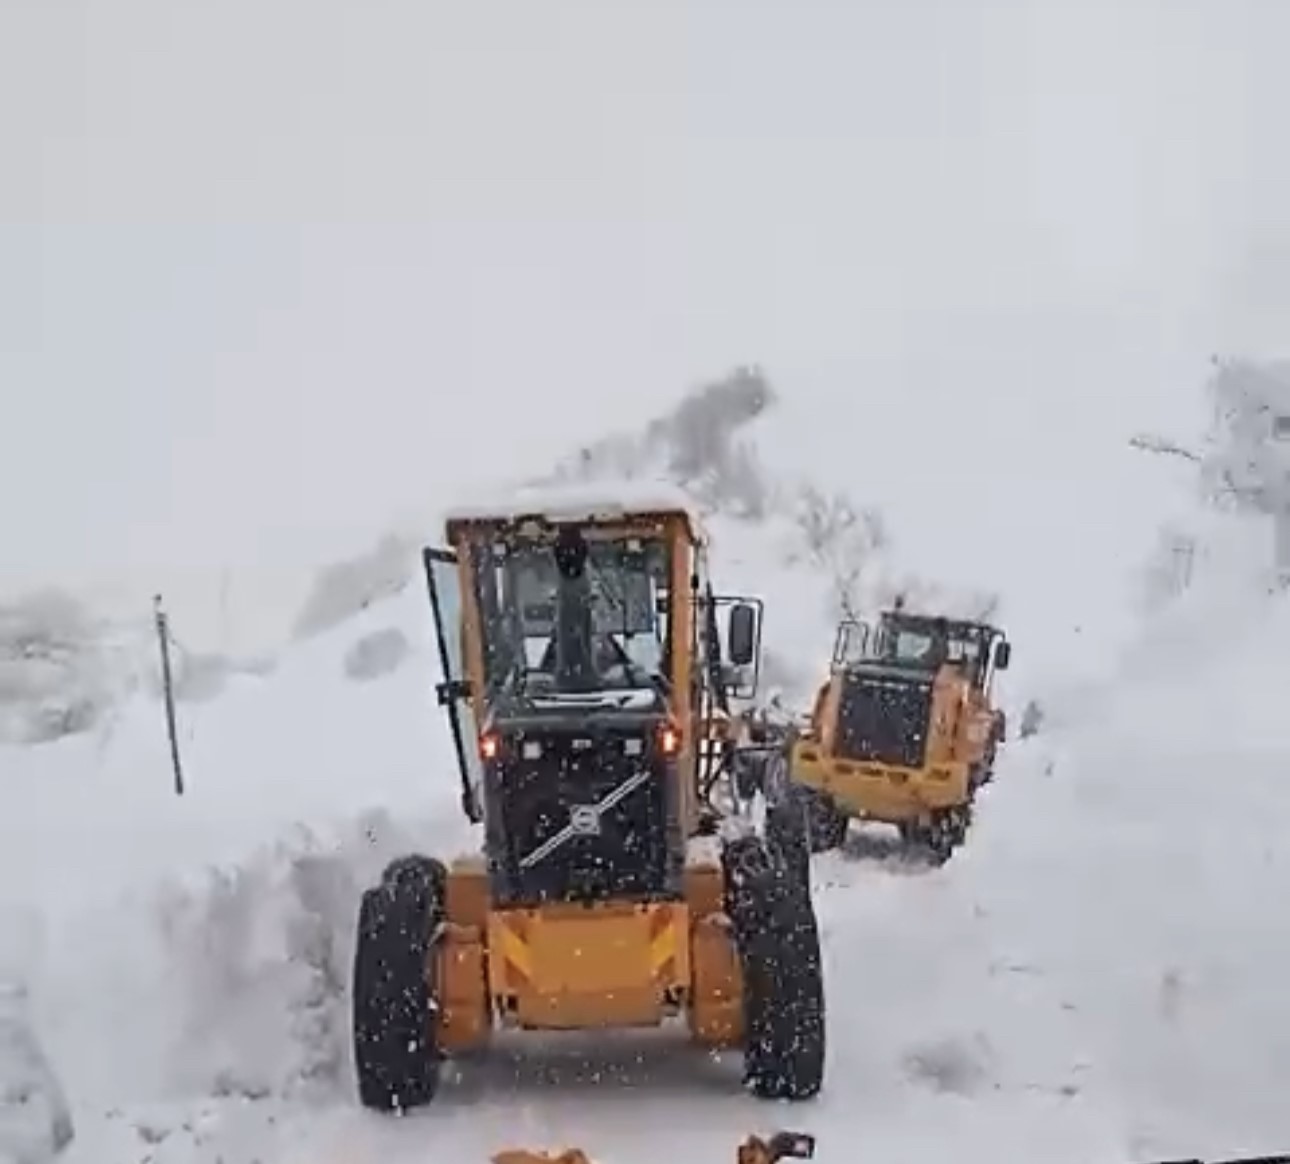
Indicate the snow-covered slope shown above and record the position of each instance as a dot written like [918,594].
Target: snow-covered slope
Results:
[1095,977]
[67,662]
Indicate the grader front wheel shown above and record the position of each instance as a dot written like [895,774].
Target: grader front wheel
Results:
[395,1060]
[783,982]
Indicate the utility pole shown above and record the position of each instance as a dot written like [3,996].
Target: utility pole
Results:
[168,692]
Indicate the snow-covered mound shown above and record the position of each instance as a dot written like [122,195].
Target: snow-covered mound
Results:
[60,668]
[66,670]
[245,887]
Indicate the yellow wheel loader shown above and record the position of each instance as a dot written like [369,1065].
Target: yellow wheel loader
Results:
[585,682]
[903,732]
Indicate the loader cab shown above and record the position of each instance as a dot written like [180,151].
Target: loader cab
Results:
[927,642]
[580,651]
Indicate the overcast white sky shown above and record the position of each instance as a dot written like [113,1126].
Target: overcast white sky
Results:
[272,271]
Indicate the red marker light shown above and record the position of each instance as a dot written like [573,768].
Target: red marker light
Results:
[669,741]
[488,746]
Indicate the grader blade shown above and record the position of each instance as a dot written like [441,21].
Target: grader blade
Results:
[523,1156]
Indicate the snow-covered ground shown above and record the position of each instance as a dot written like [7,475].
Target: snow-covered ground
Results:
[1096,977]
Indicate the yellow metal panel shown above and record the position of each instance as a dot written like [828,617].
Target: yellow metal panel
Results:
[716,1006]
[569,967]
[465,1015]
[511,946]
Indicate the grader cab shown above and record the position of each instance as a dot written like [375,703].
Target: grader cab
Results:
[904,731]
[582,668]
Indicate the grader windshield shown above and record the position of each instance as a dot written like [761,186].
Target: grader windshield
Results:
[582,615]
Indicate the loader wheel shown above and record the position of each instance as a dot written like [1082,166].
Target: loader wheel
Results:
[826,824]
[939,836]
[395,1059]
[983,773]
[783,982]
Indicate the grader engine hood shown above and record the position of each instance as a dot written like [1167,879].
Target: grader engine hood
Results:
[884,715]
[582,804]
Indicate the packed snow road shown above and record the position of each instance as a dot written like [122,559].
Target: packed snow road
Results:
[1074,985]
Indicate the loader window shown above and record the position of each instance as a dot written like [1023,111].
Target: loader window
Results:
[908,646]
[614,617]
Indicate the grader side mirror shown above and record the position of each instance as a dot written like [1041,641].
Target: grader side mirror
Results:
[1002,654]
[741,639]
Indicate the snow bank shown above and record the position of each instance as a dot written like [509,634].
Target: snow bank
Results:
[35,1119]
[220,921]
[263,950]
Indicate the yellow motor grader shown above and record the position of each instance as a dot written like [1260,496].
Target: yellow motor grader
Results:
[583,670]
[903,732]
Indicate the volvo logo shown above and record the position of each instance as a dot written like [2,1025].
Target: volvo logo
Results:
[584,820]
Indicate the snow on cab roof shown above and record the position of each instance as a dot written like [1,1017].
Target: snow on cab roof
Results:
[580,501]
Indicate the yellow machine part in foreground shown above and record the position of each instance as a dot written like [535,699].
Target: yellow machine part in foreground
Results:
[754,1150]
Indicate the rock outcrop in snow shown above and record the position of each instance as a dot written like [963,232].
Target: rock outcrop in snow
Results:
[59,668]
[344,588]
[377,654]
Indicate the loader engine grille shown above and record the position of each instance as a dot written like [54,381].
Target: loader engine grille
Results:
[582,820]
[884,720]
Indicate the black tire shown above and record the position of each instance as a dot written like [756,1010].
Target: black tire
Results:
[827,825]
[393,1006]
[749,775]
[422,877]
[937,839]
[783,980]
[788,834]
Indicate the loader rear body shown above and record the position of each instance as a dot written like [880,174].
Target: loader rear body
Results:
[903,732]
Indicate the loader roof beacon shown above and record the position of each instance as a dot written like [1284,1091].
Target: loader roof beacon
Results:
[584,673]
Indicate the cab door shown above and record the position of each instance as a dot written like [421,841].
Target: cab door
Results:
[453,692]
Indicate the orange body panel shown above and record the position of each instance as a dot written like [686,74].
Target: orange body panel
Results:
[465,1017]
[570,966]
[716,1008]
